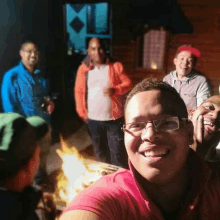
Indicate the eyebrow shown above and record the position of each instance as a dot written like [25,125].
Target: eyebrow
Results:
[208,102]
[212,102]
[157,118]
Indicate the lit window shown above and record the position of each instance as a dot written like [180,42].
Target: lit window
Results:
[153,49]
[85,21]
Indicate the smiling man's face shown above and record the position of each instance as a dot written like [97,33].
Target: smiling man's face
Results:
[184,62]
[96,51]
[210,110]
[29,55]
[157,156]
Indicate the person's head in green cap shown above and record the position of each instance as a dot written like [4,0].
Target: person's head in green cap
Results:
[19,149]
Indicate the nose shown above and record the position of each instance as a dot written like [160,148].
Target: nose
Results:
[96,51]
[184,61]
[34,53]
[149,133]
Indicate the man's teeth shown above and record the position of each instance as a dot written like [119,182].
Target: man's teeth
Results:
[154,153]
[208,123]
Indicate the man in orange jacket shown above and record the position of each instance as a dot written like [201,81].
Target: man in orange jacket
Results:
[99,91]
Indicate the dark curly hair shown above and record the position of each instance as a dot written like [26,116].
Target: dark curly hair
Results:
[28,42]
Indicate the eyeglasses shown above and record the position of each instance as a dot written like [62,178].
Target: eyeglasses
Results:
[160,125]
[32,51]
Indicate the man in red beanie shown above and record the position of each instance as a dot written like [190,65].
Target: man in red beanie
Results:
[189,83]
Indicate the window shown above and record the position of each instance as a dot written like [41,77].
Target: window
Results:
[85,21]
[152,49]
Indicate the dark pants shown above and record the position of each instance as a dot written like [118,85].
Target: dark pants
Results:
[108,141]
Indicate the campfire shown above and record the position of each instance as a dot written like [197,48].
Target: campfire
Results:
[77,173]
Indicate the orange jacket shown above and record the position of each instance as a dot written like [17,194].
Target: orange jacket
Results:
[117,79]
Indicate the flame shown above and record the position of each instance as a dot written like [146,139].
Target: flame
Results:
[77,172]
[153,65]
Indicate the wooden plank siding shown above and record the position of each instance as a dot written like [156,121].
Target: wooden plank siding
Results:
[205,18]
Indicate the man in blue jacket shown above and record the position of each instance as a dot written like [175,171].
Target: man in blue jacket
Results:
[24,90]
[23,87]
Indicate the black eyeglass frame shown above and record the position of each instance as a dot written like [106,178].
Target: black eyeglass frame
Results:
[32,51]
[155,126]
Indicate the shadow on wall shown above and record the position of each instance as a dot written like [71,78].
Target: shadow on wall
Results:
[10,26]
[9,54]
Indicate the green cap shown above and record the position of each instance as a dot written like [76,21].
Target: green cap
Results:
[18,138]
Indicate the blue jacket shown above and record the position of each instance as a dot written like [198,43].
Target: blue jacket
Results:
[23,92]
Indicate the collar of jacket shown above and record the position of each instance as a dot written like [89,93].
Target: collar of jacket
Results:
[25,74]
[88,62]
[190,76]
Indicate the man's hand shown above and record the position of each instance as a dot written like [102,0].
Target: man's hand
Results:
[47,203]
[109,91]
[48,105]
[198,122]
[85,119]
[199,129]
[197,119]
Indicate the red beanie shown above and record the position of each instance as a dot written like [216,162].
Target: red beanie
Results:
[192,50]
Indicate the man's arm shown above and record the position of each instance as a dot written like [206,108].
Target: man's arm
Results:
[204,92]
[80,215]
[126,83]
[198,123]
[8,94]
[99,202]
[79,93]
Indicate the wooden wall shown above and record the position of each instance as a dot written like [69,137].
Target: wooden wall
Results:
[205,18]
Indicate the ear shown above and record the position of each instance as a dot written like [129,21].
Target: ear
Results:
[33,164]
[20,53]
[174,61]
[88,51]
[194,63]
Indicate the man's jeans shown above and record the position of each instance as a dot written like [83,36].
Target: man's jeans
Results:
[108,141]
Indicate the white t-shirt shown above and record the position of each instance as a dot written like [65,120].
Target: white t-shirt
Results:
[99,106]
